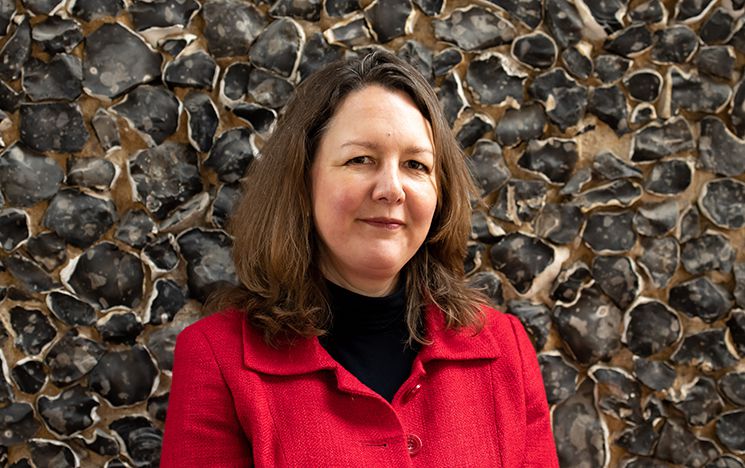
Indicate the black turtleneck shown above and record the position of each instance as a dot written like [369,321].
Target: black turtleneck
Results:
[368,338]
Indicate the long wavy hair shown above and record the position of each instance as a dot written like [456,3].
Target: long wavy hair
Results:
[276,248]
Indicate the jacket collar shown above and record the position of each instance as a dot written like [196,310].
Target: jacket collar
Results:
[305,355]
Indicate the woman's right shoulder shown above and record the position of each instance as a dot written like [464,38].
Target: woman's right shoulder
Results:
[220,328]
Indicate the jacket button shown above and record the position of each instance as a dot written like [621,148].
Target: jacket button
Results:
[413,391]
[413,444]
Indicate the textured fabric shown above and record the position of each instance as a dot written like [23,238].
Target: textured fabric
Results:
[472,400]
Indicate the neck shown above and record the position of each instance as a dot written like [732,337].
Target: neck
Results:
[371,287]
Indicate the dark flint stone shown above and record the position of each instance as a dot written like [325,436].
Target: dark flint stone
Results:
[718,27]
[617,393]
[309,10]
[474,253]
[418,56]
[108,276]
[446,60]
[7,10]
[680,446]
[17,424]
[107,131]
[578,180]
[607,232]
[529,12]
[95,173]
[710,252]
[14,228]
[230,26]
[669,177]
[706,350]
[78,218]
[571,282]
[654,374]
[278,47]
[607,13]
[142,440]
[116,463]
[187,214]
[174,46]
[621,192]
[642,114]
[196,70]
[570,98]
[57,34]
[166,300]
[610,68]
[29,275]
[518,125]
[535,317]
[124,377]
[116,60]
[119,327]
[208,260]
[260,118]
[659,259]
[90,10]
[675,44]
[483,229]
[226,198]
[450,95]
[537,50]
[639,440]
[15,52]
[52,453]
[350,33]
[650,327]
[720,151]
[153,110]
[617,278]
[165,177]
[162,13]
[60,78]
[729,430]
[701,297]
[701,402]
[644,85]
[473,129]
[202,118]
[697,93]
[657,140]
[608,103]
[101,443]
[10,99]
[629,41]
[656,219]
[564,22]
[72,357]
[32,328]
[577,63]
[611,167]
[54,126]
[717,61]
[492,83]
[559,223]
[162,343]
[231,154]
[337,8]
[70,310]
[722,201]
[578,429]
[69,412]
[726,461]
[521,259]
[519,201]
[559,377]
[739,293]
[732,386]
[316,53]
[268,90]
[474,28]
[487,166]
[490,284]
[737,111]
[234,85]
[134,228]
[554,158]
[687,11]
[157,407]
[162,253]
[736,325]
[29,375]
[388,18]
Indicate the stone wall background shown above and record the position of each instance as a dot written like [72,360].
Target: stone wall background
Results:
[606,137]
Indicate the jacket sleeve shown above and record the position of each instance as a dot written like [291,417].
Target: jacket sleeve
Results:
[540,448]
[202,428]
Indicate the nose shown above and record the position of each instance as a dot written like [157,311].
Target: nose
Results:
[388,186]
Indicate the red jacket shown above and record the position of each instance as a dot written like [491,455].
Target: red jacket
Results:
[470,401]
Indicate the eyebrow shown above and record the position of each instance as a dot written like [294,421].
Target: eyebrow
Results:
[374,146]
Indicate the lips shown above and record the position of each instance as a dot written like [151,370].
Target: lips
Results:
[386,223]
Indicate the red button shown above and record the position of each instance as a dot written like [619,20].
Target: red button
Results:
[413,391]
[413,443]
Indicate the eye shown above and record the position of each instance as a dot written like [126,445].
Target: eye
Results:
[359,160]
[419,166]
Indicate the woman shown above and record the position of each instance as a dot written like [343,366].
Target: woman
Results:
[354,340]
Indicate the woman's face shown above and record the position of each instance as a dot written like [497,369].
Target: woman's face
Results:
[373,189]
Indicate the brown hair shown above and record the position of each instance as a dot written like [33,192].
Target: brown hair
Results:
[275,246]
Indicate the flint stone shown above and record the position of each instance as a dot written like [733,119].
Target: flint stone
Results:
[657,140]
[701,402]
[576,182]
[389,19]
[717,61]
[656,219]
[722,201]
[680,446]
[706,350]
[536,319]
[739,293]
[559,223]
[196,70]
[7,10]
[527,11]
[119,327]
[568,97]
[106,129]
[492,83]
[718,27]
[259,117]
[709,252]
[162,343]
[29,375]
[659,259]
[697,93]
[518,125]
[736,325]
[446,60]
[72,357]
[53,126]
[559,377]
[725,461]
[309,10]
[70,309]
[690,224]
[729,430]
[554,158]
[720,151]
[474,28]
[14,228]
[650,327]
[519,201]
[642,114]
[418,56]
[654,374]
[472,262]
[230,26]
[208,260]
[732,386]
[134,228]
[278,47]
[564,22]
[70,412]
[675,44]
[78,218]
[95,173]
[350,33]
[268,90]
[644,85]
[152,110]
[317,53]
[571,282]
[116,60]
[701,297]
[162,13]
[577,63]
[610,68]
[101,443]
[608,103]
[17,424]
[32,328]
[639,440]
[162,253]
[29,275]
[47,249]
[166,300]
[15,52]
[338,8]
[611,167]
[60,78]
[10,99]
[669,177]
[609,232]
[630,41]
[579,431]
[451,97]
[234,84]
[473,129]
[231,154]
[617,393]
[124,377]
[142,441]
[56,34]
[226,198]
[90,10]
[617,278]
[688,11]
[536,50]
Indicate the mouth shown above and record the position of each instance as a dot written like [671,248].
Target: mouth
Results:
[385,223]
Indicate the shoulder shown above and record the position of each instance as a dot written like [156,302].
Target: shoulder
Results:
[508,331]
[219,330]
